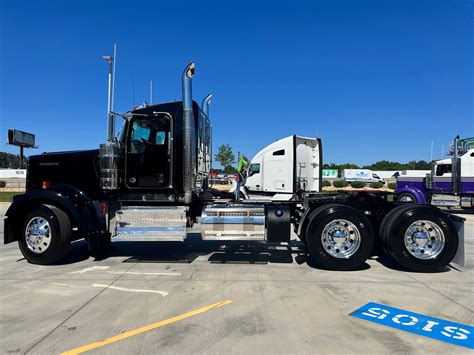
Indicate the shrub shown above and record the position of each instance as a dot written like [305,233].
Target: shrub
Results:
[3,183]
[326,183]
[376,185]
[392,185]
[358,184]
[340,183]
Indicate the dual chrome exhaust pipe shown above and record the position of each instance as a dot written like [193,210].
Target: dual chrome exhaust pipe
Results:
[189,135]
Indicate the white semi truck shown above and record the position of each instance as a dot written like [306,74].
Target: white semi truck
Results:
[287,166]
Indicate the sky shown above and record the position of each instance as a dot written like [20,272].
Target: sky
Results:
[376,80]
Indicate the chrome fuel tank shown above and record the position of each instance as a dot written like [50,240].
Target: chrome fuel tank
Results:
[233,222]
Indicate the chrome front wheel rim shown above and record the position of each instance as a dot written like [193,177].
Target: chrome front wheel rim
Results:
[424,240]
[341,238]
[406,199]
[38,235]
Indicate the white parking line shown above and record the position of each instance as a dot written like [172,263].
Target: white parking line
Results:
[163,293]
[146,273]
[92,268]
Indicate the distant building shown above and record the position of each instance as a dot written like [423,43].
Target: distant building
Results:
[12,173]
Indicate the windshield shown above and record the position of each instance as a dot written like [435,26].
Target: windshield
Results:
[122,131]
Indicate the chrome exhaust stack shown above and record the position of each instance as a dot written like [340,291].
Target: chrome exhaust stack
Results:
[189,159]
[205,105]
[456,168]
[109,153]
[207,133]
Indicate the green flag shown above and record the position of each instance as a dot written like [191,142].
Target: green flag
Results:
[243,165]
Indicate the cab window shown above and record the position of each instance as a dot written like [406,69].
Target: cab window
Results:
[139,132]
[254,169]
[443,169]
[160,137]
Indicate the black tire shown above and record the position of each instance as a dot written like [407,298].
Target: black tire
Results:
[406,195]
[384,235]
[393,237]
[60,234]
[322,217]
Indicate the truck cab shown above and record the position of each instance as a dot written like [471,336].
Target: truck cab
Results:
[444,185]
[287,166]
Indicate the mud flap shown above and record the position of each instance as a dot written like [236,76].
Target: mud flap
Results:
[459,258]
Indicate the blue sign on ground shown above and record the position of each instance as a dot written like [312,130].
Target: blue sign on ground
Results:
[435,328]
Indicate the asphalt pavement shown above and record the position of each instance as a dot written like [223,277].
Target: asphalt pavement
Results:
[211,297]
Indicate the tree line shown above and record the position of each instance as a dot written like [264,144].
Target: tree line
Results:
[11,161]
[383,165]
[225,157]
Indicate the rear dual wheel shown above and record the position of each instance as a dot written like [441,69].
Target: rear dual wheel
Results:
[339,237]
[419,238]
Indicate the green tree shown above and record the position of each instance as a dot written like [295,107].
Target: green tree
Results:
[11,161]
[225,156]
[230,170]
[341,167]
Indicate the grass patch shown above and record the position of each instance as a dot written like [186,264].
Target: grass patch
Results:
[6,196]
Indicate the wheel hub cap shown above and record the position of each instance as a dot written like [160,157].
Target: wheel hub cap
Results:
[340,238]
[424,239]
[38,235]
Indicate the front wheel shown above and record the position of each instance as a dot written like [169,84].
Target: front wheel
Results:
[339,237]
[45,235]
[406,197]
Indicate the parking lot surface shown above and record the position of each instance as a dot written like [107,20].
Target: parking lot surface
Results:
[263,299]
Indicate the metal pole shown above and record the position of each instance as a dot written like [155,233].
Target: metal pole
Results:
[114,59]
[110,115]
[21,157]
[431,156]
[151,91]
[210,146]
[237,187]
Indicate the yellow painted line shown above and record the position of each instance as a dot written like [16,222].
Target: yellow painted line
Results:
[144,329]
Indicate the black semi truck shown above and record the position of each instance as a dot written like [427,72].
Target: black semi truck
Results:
[152,182]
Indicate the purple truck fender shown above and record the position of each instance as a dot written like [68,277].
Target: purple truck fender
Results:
[417,193]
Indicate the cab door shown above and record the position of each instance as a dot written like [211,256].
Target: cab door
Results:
[442,180]
[148,162]
[254,178]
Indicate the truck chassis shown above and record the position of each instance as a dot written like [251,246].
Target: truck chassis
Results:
[152,183]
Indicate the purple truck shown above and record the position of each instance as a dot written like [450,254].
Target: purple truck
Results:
[450,183]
